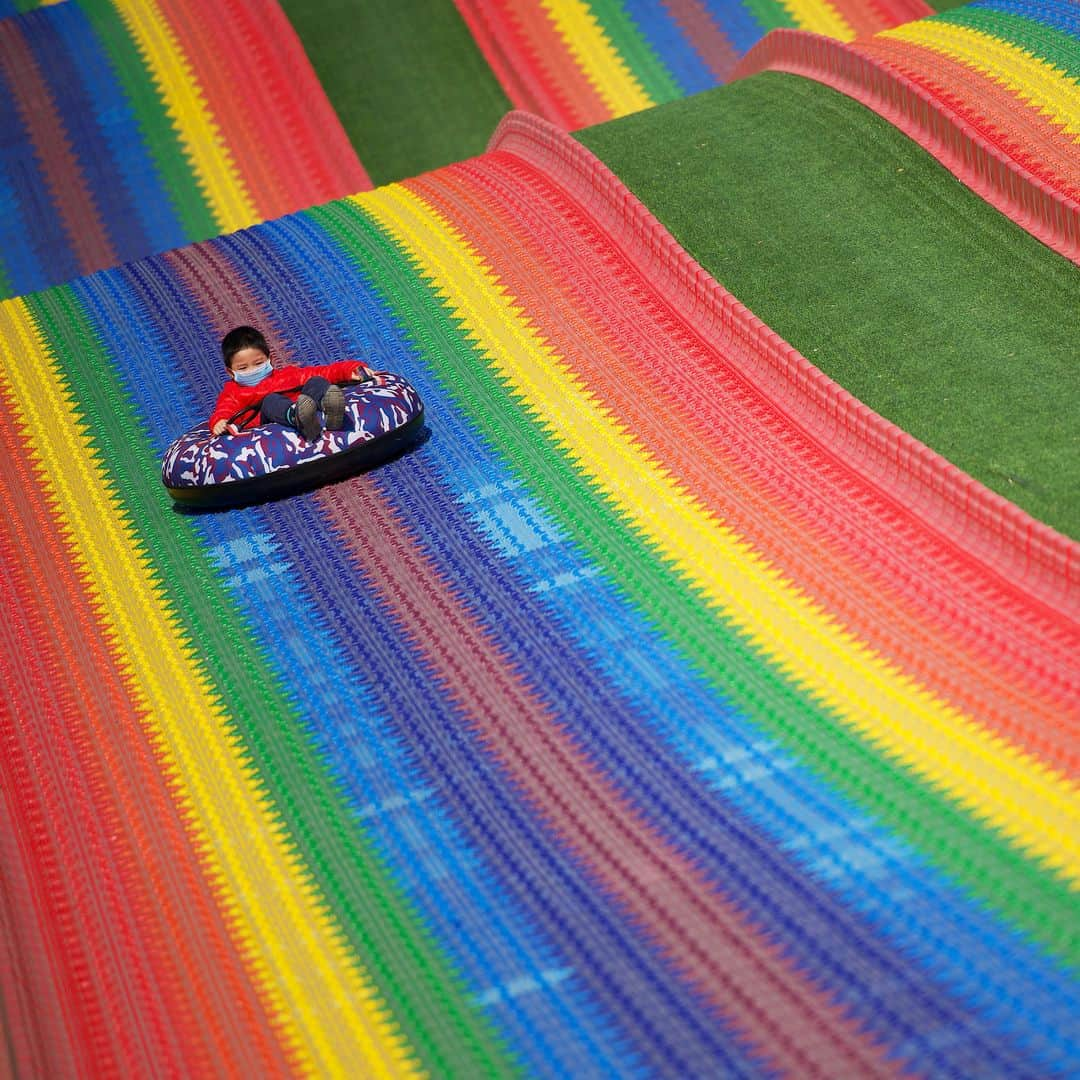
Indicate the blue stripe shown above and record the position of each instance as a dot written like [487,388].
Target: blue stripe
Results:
[36,248]
[76,111]
[668,41]
[736,20]
[1064,17]
[127,185]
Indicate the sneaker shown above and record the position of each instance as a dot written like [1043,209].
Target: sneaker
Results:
[333,407]
[304,416]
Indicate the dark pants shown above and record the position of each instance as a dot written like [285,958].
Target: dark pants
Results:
[275,407]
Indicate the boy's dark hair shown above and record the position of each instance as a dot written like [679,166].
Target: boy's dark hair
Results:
[242,337]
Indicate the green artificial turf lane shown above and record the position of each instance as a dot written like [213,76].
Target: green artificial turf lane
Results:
[869,257]
[406,78]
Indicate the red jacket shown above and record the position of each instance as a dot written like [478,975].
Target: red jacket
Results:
[287,380]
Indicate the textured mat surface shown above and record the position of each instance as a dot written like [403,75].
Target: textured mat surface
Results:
[133,126]
[664,712]
[992,90]
[581,62]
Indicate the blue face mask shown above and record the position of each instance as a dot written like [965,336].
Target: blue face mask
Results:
[253,376]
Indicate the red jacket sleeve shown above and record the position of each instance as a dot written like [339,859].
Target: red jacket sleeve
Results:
[228,402]
[338,372]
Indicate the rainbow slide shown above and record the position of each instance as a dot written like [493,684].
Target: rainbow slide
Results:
[126,132]
[663,711]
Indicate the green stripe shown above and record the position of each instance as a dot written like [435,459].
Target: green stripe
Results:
[770,14]
[159,133]
[636,51]
[857,247]
[1042,41]
[407,80]
[425,995]
[972,854]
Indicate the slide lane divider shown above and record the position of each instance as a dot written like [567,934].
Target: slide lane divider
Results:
[1038,564]
[940,126]
[1019,102]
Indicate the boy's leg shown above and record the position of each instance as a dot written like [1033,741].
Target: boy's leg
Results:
[329,398]
[275,410]
[333,407]
[315,387]
[301,415]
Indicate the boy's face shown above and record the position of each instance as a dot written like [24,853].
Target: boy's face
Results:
[247,359]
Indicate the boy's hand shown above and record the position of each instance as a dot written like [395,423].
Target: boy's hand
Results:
[362,372]
[223,426]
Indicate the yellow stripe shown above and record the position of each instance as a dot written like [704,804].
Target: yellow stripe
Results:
[1036,82]
[1035,807]
[322,1003]
[819,17]
[205,147]
[597,57]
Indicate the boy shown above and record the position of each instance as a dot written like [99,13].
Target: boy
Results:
[290,395]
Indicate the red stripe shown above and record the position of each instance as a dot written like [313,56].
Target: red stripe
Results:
[37,1039]
[705,36]
[896,12]
[323,160]
[1005,120]
[858,14]
[286,142]
[520,79]
[518,37]
[71,196]
[130,942]
[942,626]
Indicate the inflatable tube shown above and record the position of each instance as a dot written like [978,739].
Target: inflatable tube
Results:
[382,415]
